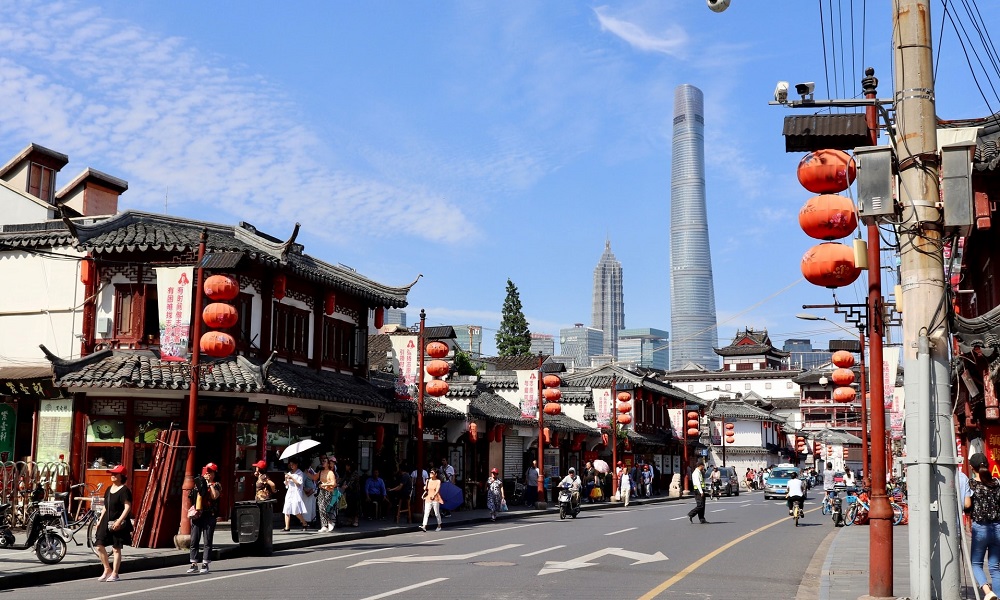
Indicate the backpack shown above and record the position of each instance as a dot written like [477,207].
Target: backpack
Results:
[308,486]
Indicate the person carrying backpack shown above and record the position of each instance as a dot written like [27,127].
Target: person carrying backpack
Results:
[204,513]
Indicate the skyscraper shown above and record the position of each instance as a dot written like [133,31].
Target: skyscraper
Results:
[692,293]
[608,306]
[644,347]
[581,343]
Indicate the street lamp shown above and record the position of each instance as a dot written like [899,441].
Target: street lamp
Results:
[862,384]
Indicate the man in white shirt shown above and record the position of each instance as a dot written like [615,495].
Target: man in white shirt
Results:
[531,484]
[796,494]
[447,474]
[698,487]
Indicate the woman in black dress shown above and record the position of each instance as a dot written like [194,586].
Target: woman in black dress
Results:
[115,528]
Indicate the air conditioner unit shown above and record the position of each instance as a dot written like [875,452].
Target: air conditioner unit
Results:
[104,326]
[875,184]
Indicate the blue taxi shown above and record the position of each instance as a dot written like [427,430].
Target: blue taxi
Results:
[776,484]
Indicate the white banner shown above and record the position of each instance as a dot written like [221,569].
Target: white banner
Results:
[173,294]
[527,383]
[676,416]
[405,363]
[890,362]
[602,405]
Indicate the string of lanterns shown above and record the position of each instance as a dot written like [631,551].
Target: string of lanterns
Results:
[828,216]
[437,368]
[730,433]
[843,376]
[219,315]
[693,424]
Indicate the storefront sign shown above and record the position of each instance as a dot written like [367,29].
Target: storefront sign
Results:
[173,292]
[234,411]
[29,388]
[602,405]
[991,437]
[8,419]
[405,364]
[527,382]
[55,422]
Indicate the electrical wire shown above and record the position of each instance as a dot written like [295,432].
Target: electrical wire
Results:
[822,33]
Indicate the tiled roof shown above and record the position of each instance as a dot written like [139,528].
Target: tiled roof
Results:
[742,411]
[650,439]
[785,403]
[432,407]
[44,235]
[837,436]
[302,382]
[750,350]
[564,423]
[493,407]
[625,379]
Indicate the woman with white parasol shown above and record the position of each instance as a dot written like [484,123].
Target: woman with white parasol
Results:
[294,479]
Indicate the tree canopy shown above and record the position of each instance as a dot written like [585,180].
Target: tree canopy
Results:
[513,338]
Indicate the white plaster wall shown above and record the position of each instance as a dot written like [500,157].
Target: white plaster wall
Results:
[42,304]
[17,209]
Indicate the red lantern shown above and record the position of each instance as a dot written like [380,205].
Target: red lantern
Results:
[473,431]
[499,433]
[219,315]
[552,394]
[830,265]
[693,432]
[379,317]
[843,394]
[693,423]
[280,286]
[817,447]
[217,344]
[693,414]
[624,396]
[437,350]
[491,435]
[221,287]
[552,408]
[551,381]
[87,269]
[826,171]
[730,439]
[624,407]
[730,425]
[547,435]
[436,387]
[604,439]
[379,437]
[842,376]
[624,419]
[828,217]
[437,368]
[330,303]
[843,359]
[578,441]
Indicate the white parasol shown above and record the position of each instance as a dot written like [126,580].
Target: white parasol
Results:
[297,448]
[601,467]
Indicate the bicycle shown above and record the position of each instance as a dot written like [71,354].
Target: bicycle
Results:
[859,509]
[517,498]
[53,542]
[796,512]
[826,507]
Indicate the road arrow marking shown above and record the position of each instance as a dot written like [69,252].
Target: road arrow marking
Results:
[411,558]
[579,563]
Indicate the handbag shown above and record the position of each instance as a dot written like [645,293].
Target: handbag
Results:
[596,493]
[334,502]
[194,513]
[342,503]
[503,505]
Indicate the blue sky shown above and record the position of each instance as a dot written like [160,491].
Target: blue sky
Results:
[470,142]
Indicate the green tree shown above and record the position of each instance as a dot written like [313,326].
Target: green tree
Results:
[463,364]
[513,339]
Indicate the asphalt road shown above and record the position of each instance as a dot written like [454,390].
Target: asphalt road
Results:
[749,550]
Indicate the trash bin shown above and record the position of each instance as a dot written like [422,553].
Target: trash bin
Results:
[252,526]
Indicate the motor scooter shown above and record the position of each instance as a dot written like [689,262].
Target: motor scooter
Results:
[42,531]
[566,504]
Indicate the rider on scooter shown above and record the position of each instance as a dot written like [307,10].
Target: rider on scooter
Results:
[796,494]
[575,484]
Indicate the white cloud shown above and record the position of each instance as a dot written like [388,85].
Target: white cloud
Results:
[673,41]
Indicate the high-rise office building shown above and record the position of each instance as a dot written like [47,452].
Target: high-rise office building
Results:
[543,343]
[581,343]
[395,316]
[692,293]
[470,339]
[644,347]
[608,305]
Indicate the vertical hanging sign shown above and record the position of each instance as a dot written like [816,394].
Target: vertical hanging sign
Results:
[602,406]
[7,422]
[527,382]
[676,416]
[405,362]
[173,294]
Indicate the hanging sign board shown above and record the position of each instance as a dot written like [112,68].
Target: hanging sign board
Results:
[173,299]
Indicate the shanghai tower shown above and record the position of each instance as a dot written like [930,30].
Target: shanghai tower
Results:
[692,293]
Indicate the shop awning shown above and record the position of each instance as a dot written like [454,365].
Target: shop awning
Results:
[28,382]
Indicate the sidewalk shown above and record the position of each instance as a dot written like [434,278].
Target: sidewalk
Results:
[844,574]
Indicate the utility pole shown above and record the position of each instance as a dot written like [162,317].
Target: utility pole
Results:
[934,564]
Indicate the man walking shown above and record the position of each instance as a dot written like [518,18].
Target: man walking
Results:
[447,474]
[531,484]
[698,487]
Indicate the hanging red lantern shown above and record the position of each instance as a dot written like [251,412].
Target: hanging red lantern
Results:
[730,439]
[692,414]
[437,368]
[817,447]
[828,217]
[843,394]
[498,430]
[552,394]
[379,317]
[693,423]
[547,435]
[329,303]
[730,426]
[624,396]
[280,286]
[436,387]
[624,419]
[830,265]
[842,376]
[551,381]
[826,171]
[87,269]
[379,437]
[219,315]
[604,439]
[491,435]
[221,287]
[578,441]
[437,350]
[693,432]
[552,408]
[217,344]
[843,359]
[473,431]
[624,407]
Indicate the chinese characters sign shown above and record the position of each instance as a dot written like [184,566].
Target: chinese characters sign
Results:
[7,422]
[527,382]
[602,406]
[405,363]
[28,388]
[173,293]
[676,416]
[55,419]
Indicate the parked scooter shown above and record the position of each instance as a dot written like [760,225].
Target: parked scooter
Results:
[566,504]
[43,531]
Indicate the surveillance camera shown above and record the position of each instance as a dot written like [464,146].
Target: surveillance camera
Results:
[805,89]
[717,5]
[781,92]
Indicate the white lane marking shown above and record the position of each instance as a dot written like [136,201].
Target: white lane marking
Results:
[406,589]
[679,518]
[441,557]
[621,531]
[553,566]
[542,551]
[719,510]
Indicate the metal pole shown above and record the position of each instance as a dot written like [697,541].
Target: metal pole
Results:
[614,433]
[865,440]
[925,304]
[541,503]
[183,538]
[420,404]
[869,84]
[723,440]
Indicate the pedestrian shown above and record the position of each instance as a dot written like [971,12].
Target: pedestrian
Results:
[496,501]
[309,489]
[984,504]
[698,487]
[624,482]
[531,484]
[447,476]
[295,504]
[204,516]
[647,481]
[750,479]
[589,481]
[350,487]
[264,487]
[327,483]
[432,500]
[115,527]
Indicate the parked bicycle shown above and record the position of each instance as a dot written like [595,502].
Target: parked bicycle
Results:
[860,507]
[49,530]
[517,498]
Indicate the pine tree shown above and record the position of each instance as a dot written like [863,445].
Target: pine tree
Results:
[513,339]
